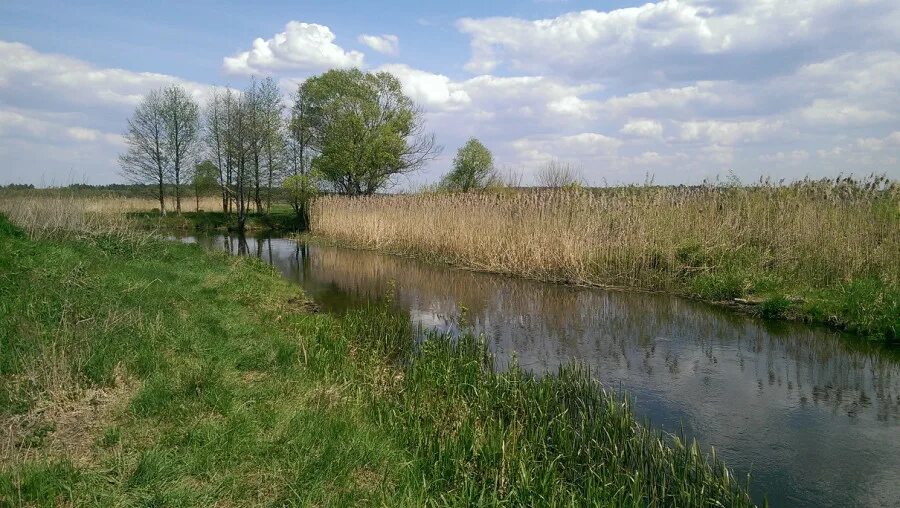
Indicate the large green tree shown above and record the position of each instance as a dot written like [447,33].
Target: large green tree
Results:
[366,130]
[473,167]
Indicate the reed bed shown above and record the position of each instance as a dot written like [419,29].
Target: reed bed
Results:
[784,243]
[43,215]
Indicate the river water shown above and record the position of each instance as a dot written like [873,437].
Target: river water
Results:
[814,416]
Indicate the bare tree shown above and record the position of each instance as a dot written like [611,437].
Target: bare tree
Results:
[182,133]
[146,159]
[301,136]
[557,174]
[239,140]
[215,142]
[271,124]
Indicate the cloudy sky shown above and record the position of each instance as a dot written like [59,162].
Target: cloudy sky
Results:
[680,90]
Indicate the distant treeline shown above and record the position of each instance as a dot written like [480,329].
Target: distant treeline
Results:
[126,190]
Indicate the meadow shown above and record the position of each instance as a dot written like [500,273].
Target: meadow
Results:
[137,371]
[822,251]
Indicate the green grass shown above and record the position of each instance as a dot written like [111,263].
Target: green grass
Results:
[280,219]
[157,374]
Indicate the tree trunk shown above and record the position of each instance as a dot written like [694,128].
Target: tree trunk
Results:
[242,212]
[256,197]
[162,199]
[177,191]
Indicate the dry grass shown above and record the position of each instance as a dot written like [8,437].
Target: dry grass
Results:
[803,237]
[46,215]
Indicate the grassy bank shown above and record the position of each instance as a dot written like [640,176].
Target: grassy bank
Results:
[137,371]
[821,251]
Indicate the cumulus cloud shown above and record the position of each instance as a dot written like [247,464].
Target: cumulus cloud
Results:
[643,128]
[429,89]
[684,89]
[303,47]
[45,79]
[678,40]
[61,118]
[387,44]
[583,144]
[728,133]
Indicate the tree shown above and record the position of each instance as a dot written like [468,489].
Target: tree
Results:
[473,167]
[264,116]
[205,179]
[556,175]
[272,125]
[182,132]
[146,159]
[239,143]
[301,189]
[365,129]
[215,142]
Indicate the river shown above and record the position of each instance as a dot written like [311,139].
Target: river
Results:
[811,414]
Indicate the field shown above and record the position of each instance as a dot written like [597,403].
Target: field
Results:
[135,371]
[823,251]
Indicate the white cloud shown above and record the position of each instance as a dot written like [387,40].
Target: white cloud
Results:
[61,117]
[575,146]
[643,128]
[45,79]
[304,47]
[387,44]
[728,133]
[430,89]
[793,157]
[673,39]
[837,112]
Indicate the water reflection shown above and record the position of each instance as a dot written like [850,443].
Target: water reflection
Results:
[814,416]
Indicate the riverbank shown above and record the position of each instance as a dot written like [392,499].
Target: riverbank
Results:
[136,370]
[280,219]
[821,252]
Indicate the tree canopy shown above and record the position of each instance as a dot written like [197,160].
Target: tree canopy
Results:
[366,130]
[473,167]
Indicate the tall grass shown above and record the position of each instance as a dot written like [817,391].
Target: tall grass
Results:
[715,242]
[52,213]
[482,437]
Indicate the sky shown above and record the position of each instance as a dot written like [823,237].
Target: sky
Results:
[674,91]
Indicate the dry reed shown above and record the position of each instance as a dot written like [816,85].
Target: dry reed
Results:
[806,235]
[46,215]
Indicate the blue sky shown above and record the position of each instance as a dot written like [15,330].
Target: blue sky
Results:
[681,90]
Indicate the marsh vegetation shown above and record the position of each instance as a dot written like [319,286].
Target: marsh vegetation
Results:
[823,251]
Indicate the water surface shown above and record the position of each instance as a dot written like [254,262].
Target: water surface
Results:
[814,416]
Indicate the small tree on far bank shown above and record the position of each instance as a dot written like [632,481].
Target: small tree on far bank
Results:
[301,189]
[558,175]
[473,167]
[205,180]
